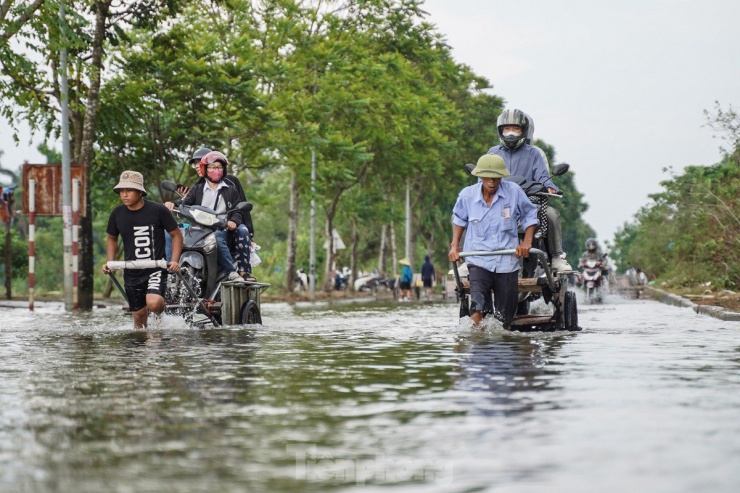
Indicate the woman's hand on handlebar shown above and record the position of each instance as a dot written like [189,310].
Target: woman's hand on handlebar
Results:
[169,206]
[230,225]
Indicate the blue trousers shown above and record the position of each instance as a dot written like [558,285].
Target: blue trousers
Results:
[225,261]
[240,241]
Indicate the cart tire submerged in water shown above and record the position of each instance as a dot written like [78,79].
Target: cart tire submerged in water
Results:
[251,313]
[570,311]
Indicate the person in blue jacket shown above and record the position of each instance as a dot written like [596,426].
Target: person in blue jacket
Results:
[407,276]
[523,159]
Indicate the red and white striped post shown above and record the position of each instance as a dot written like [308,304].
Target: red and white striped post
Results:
[31,240]
[75,240]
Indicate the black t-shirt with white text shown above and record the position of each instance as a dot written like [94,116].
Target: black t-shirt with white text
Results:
[142,232]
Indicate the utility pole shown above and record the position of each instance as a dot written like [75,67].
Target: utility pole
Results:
[66,172]
[408,222]
[312,257]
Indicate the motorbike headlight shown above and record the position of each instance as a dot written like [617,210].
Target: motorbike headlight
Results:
[207,244]
[203,217]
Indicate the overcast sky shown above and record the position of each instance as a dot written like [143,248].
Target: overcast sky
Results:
[618,87]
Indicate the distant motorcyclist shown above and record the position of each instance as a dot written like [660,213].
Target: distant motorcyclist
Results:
[523,159]
[593,252]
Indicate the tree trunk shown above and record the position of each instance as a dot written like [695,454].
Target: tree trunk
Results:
[292,234]
[353,259]
[382,255]
[85,158]
[330,256]
[394,253]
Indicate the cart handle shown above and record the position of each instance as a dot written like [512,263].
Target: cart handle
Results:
[542,256]
[152,264]
[136,264]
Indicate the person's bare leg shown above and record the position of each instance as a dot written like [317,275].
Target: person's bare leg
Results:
[140,318]
[476,317]
[155,303]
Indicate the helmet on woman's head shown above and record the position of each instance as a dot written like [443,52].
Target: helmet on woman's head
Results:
[512,117]
[197,155]
[591,244]
[208,160]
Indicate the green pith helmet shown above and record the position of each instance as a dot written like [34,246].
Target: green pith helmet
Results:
[490,166]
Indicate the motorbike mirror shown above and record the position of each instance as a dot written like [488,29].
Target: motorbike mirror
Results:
[244,206]
[560,169]
[469,168]
[169,186]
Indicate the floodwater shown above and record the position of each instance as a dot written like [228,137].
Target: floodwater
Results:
[379,397]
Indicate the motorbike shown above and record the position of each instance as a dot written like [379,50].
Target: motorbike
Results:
[341,278]
[373,282]
[531,266]
[199,258]
[593,280]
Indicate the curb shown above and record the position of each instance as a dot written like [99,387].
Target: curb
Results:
[675,300]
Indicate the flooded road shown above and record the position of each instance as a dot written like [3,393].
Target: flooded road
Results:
[370,398]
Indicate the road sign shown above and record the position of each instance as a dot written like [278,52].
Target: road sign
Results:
[48,179]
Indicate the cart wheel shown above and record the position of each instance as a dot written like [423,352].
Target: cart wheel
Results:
[570,311]
[251,313]
[522,308]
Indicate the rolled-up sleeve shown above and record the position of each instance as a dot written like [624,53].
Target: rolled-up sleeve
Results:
[460,212]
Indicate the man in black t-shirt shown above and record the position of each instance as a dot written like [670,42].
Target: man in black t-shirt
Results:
[141,224]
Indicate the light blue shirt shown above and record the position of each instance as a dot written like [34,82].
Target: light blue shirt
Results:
[494,227]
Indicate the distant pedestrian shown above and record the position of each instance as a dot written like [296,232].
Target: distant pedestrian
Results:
[407,276]
[427,275]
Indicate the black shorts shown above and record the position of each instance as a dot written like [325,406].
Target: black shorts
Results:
[404,285]
[427,282]
[136,292]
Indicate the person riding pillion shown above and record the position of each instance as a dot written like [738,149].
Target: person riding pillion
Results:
[216,194]
[529,161]
[490,212]
[241,238]
[142,224]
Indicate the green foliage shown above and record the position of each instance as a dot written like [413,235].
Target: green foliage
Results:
[690,232]
[18,255]
[571,207]
[370,87]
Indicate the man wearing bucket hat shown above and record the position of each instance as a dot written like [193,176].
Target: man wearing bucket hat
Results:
[491,212]
[529,161]
[141,225]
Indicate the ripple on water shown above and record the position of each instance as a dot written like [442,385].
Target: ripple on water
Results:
[351,397]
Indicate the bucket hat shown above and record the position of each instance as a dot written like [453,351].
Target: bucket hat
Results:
[490,166]
[132,180]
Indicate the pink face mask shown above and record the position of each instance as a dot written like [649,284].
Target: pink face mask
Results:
[215,175]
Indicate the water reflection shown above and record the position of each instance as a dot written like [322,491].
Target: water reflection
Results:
[509,370]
